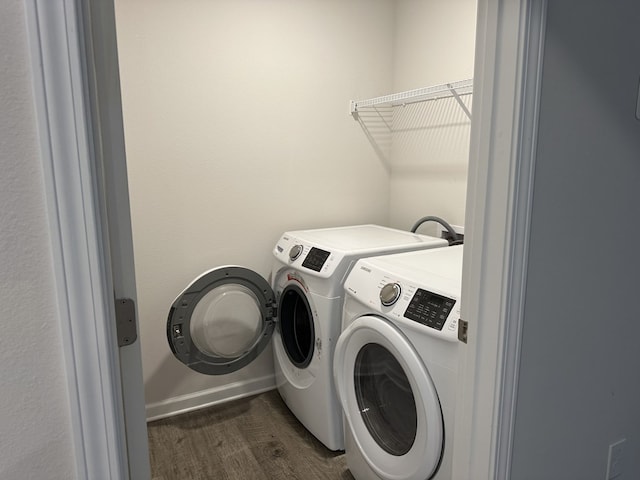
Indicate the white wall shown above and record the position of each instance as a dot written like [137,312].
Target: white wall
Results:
[237,129]
[579,387]
[34,408]
[434,44]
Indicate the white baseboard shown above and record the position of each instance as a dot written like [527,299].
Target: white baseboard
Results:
[207,398]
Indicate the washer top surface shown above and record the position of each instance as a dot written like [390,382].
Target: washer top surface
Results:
[360,238]
[425,267]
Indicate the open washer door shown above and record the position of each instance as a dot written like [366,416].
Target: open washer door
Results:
[222,321]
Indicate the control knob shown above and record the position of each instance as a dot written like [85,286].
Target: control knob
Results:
[390,294]
[295,252]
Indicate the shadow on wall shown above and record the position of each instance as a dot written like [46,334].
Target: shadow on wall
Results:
[420,137]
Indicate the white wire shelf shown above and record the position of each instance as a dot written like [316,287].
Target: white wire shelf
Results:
[436,92]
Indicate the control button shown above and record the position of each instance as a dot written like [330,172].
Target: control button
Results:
[390,294]
[295,252]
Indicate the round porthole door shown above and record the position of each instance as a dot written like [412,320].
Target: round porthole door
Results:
[389,401]
[222,321]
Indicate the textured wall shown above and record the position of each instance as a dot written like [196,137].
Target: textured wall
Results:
[35,439]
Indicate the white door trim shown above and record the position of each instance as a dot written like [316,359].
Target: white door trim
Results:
[508,69]
[84,286]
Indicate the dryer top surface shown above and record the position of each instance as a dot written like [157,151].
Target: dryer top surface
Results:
[359,239]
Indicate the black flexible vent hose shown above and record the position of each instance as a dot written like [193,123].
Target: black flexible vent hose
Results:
[454,239]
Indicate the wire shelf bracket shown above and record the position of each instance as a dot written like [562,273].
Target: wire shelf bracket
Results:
[424,94]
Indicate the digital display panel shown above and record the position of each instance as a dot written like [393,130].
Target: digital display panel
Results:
[315,259]
[429,309]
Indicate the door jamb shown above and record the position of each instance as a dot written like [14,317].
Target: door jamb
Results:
[80,254]
[507,77]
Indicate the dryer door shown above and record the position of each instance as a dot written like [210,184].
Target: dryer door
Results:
[222,321]
[389,401]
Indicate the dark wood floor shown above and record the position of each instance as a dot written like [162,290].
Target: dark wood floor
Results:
[253,438]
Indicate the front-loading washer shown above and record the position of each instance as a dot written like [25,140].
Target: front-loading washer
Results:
[396,364]
[226,317]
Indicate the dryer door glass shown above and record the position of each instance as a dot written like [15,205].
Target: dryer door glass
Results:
[222,321]
[385,399]
[296,326]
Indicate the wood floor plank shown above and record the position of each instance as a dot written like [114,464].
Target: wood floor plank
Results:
[253,438]
[304,453]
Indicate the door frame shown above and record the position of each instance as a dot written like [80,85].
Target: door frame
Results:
[78,112]
[500,186]
[507,79]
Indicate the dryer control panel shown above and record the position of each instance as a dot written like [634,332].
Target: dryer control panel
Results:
[308,258]
[315,259]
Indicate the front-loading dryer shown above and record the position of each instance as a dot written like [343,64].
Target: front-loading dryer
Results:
[396,364]
[227,316]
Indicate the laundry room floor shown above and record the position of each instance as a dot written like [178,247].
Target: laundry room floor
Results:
[252,438]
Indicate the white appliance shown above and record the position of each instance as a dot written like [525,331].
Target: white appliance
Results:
[396,364]
[227,316]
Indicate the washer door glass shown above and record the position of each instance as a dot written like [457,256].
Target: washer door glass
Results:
[385,399]
[296,326]
[222,320]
